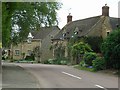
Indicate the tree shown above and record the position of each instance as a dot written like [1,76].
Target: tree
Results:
[111,50]
[80,49]
[26,16]
[37,53]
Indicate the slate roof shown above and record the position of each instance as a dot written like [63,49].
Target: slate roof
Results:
[83,26]
[114,22]
[43,32]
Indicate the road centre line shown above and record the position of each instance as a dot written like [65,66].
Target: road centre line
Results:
[100,87]
[71,75]
[81,78]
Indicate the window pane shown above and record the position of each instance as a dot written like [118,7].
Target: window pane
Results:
[17,52]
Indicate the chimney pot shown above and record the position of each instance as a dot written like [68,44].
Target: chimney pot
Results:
[69,18]
[105,10]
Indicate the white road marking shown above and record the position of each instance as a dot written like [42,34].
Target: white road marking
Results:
[71,75]
[100,87]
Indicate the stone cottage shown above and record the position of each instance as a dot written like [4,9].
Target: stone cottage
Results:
[100,26]
[41,39]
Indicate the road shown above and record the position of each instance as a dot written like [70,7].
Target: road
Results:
[14,76]
[57,76]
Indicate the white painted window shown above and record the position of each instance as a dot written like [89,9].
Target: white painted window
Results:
[17,52]
[29,52]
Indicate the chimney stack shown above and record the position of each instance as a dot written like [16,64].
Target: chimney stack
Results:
[69,18]
[105,10]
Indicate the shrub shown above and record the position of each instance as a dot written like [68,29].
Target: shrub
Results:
[82,64]
[30,58]
[98,63]
[89,57]
[61,61]
[95,42]
[50,61]
[45,62]
[111,49]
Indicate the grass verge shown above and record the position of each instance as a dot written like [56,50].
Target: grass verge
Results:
[84,68]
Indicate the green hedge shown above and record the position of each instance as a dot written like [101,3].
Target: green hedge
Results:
[98,63]
[89,57]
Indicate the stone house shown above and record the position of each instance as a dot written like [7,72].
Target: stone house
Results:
[41,39]
[100,26]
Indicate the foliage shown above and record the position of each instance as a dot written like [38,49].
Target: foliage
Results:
[89,57]
[84,68]
[80,48]
[0,45]
[60,51]
[37,51]
[111,49]
[30,58]
[82,63]
[95,43]
[27,16]
[98,63]
[23,55]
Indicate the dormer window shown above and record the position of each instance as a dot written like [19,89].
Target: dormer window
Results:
[64,34]
[76,30]
[108,33]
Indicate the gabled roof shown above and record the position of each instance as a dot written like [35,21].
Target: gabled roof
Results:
[43,32]
[84,26]
[114,22]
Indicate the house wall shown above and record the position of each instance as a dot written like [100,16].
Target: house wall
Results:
[24,47]
[101,27]
[106,27]
[45,46]
[57,42]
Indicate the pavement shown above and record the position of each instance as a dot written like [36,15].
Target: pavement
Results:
[40,76]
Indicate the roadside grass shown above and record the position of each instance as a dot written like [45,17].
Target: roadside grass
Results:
[110,72]
[84,68]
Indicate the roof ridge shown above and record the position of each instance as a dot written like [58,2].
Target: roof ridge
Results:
[94,25]
[80,20]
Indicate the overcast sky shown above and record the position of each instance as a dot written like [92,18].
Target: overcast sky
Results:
[81,9]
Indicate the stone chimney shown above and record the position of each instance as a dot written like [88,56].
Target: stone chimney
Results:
[69,18]
[105,10]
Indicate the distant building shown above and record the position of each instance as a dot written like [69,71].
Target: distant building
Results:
[100,26]
[41,38]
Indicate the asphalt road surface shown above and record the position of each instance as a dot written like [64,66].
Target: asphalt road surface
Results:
[14,76]
[55,76]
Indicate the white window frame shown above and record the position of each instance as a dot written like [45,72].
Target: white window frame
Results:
[29,52]
[17,53]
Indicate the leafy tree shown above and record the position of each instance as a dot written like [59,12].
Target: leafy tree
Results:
[111,49]
[27,16]
[80,49]
[89,57]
